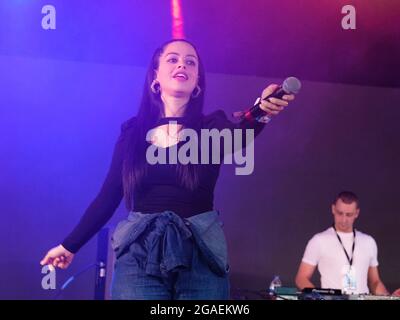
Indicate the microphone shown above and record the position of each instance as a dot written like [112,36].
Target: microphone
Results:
[291,85]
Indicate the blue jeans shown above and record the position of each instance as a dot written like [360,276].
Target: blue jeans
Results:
[163,257]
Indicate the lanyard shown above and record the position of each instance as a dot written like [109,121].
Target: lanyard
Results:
[352,249]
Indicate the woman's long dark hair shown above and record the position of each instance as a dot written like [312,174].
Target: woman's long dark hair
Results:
[151,110]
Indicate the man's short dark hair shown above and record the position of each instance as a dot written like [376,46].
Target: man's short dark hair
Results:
[347,197]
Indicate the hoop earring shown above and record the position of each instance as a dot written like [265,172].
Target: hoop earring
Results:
[155,87]
[196,94]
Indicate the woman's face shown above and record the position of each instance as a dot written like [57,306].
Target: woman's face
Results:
[178,70]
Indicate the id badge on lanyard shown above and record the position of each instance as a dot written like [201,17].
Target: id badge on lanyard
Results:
[349,282]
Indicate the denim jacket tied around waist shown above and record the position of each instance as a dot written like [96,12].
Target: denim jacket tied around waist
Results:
[168,236]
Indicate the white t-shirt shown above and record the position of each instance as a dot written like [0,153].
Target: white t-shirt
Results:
[325,251]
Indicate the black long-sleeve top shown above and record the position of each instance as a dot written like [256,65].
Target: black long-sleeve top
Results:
[159,191]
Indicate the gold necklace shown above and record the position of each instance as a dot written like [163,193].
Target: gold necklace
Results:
[175,136]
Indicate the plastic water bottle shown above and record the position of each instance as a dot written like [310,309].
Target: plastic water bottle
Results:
[275,283]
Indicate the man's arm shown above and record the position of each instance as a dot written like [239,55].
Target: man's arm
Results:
[375,283]
[304,274]
[396,292]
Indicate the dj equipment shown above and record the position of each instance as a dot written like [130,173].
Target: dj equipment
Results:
[284,293]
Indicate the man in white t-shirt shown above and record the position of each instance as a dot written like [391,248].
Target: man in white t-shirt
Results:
[346,258]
